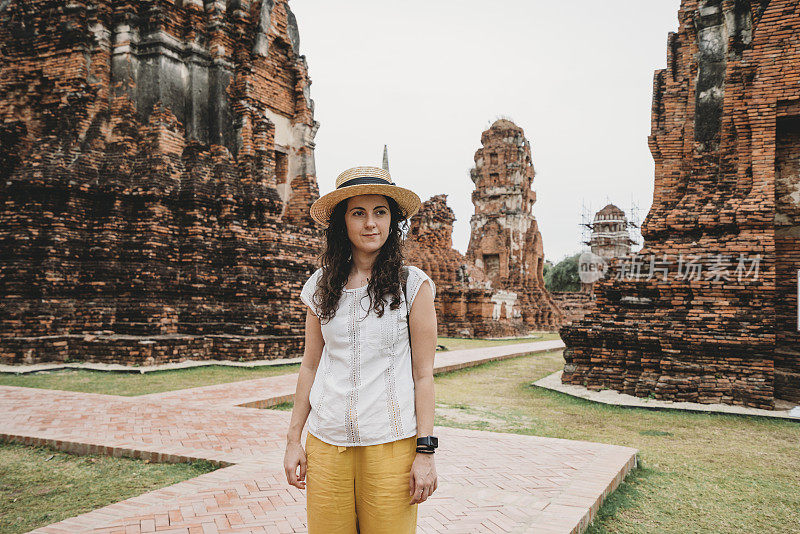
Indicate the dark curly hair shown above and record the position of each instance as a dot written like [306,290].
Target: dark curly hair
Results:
[337,261]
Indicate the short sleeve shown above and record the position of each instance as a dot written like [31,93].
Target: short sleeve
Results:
[416,277]
[309,288]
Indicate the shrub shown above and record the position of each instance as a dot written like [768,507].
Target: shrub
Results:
[564,275]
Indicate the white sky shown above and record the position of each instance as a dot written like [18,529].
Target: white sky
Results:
[427,77]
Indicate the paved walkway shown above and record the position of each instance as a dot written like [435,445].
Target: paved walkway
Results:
[489,482]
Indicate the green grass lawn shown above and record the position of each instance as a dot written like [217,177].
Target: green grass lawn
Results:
[40,486]
[132,384]
[455,343]
[699,473]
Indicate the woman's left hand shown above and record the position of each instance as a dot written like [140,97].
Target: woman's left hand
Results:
[423,478]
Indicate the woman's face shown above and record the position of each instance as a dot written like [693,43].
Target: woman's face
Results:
[368,219]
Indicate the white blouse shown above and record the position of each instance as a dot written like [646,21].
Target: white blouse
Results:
[363,391]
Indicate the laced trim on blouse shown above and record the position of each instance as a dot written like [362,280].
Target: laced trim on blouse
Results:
[390,338]
[351,404]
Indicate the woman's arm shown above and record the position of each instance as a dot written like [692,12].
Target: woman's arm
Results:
[295,455]
[423,346]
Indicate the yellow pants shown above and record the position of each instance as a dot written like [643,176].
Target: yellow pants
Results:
[360,489]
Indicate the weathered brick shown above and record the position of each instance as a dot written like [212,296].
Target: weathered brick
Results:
[726,141]
[156,168]
[497,289]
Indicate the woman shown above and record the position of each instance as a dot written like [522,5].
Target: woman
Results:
[368,461]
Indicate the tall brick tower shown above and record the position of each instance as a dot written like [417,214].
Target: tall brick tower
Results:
[156,169]
[505,241]
[715,318]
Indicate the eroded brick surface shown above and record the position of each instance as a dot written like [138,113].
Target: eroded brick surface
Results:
[463,299]
[724,138]
[505,241]
[497,288]
[574,305]
[156,168]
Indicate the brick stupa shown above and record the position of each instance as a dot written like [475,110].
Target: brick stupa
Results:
[505,241]
[497,288]
[156,170]
[726,143]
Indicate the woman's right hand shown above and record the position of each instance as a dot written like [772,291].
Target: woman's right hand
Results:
[295,456]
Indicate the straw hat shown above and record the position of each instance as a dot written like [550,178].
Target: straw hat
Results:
[364,181]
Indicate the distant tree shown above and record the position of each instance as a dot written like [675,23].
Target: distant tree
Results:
[564,275]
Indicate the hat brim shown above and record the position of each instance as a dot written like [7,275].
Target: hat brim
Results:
[322,208]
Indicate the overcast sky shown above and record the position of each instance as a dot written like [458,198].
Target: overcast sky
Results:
[427,77]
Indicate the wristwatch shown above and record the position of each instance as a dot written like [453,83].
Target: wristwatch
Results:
[427,444]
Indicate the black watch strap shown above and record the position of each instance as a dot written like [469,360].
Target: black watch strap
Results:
[428,441]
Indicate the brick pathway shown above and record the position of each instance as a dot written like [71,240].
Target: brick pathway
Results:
[489,482]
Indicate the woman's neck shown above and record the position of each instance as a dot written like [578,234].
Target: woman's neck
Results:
[363,262]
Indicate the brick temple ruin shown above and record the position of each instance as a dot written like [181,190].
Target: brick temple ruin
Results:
[497,288]
[711,314]
[464,306]
[505,241]
[610,237]
[156,172]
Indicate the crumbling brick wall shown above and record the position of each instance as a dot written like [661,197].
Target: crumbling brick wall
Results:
[141,220]
[505,241]
[574,305]
[787,252]
[724,140]
[464,297]
[497,289]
